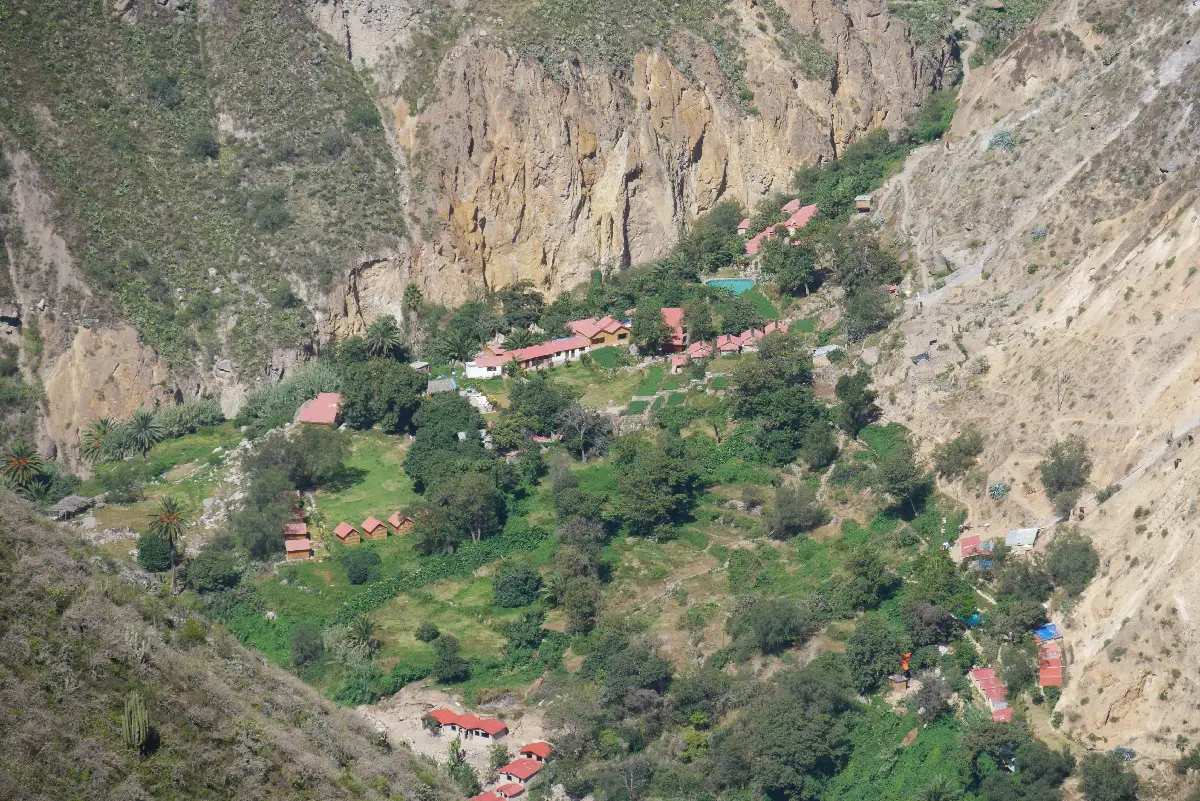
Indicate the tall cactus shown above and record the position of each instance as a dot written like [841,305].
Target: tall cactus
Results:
[135,724]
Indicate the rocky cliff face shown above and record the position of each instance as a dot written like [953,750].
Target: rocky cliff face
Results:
[1058,237]
[516,175]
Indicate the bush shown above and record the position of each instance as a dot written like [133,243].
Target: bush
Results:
[332,142]
[192,632]
[448,665]
[203,145]
[427,632]
[154,553]
[1071,561]
[307,644]
[1106,493]
[818,446]
[121,484]
[1066,467]
[360,564]
[267,208]
[1002,140]
[163,87]
[1106,779]
[213,570]
[953,458]
[515,585]
[796,511]
[189,416]
[360,685]
[363,118]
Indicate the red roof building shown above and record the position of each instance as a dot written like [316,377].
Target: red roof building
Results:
[322,410]
[791,207]
[700,350]
[992,687]
[755,242]
[1050,665]
[729,343]
[347,533]
[800,217]
[469,724]
[1004,715]
[298,548]
[295,530]
[488,796]
[510,790]
[673,317]
[679,361]
[556,351]
[374,529]
[443,717]
[744,226]
[401,524]
[520,770]
[539,751]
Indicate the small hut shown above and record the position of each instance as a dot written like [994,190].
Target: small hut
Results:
[373,529]
[401,524]
[347,533]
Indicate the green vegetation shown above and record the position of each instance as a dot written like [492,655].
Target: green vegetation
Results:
[1002,26]
[152,200]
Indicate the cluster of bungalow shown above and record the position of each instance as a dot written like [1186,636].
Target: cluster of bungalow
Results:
[296,542]
[994,692]
[466,725]
[797,217]
[516,774]
[974,547]
[373,529]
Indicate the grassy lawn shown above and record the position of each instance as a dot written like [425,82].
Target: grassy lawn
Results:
[762,304]
[674,381]
[806,326]
[609,358]
[597,389]
[191,468]
[720,382]
[676,398]
[649,384]
[380,486]
[635,407]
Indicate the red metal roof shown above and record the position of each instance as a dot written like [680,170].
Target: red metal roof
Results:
[673,316]
[791,207]
[700,350]
[397,520]
[293,530]
[1002,715]
[801,217]
[744,226]
[539,748]
[509,790]
[370,524]
[492,726]
[321,410]
[344,530]
[523,768]
[295,546]
[488,796]
[443,716]
[679,359]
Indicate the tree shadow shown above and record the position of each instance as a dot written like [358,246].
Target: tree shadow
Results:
[346,478]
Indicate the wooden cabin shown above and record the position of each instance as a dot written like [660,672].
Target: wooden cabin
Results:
[347,534]
[401,524]
[373,529]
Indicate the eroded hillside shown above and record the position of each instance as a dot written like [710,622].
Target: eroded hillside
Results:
[1058,236]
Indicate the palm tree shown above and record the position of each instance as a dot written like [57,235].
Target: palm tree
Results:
[145,431]
[384,337]
[939,789]
[22,463]
[362,630]
[455,345]
[168,522]
[552,588]
[91,442]
[520,338]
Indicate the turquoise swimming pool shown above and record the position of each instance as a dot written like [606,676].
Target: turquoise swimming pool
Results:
[735,285]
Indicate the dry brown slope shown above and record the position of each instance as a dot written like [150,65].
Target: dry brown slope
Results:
[78,633]
[1075,256]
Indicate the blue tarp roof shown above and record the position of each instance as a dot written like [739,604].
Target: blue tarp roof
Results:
[1047,632]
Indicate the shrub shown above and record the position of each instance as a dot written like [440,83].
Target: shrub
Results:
[953,458]
[448,665]
[332,142]
[360,685]
[1106,779]
[427,632]
[121,484]
[203,145]
[1072,561]
[1002,140]
[1066,467]
[363,118]
[192,632]
[212,570]
[1038,234]
[154,553]
[189,416]
[268,208]
[163,87]
[1106,493]
[360,565]
[796,511]
[997,490]
[307,644]
[515,585]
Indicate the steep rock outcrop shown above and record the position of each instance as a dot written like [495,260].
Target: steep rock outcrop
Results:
[524,177]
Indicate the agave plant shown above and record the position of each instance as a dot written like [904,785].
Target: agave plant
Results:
[93,438]
[22,463]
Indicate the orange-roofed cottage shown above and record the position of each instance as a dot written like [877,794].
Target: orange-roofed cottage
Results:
[509,790]
[539,751]
[601,331]
[296,544]
[323,410]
